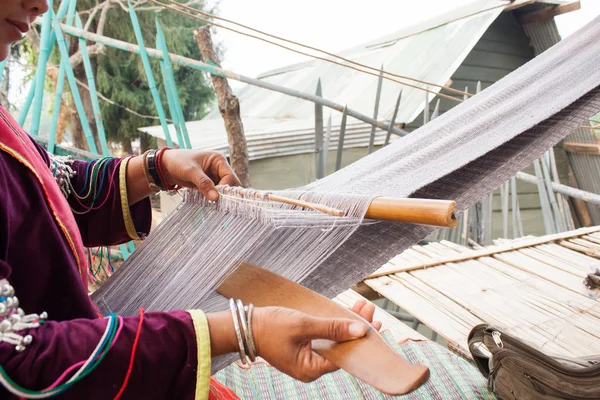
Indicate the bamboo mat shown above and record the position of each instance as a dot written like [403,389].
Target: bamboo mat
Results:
[531,287]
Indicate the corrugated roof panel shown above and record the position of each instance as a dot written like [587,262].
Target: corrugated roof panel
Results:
[429,52]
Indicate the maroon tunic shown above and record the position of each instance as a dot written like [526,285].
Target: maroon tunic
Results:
[41,255]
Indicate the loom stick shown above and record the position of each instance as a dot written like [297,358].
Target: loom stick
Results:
[369,359]
[413,211]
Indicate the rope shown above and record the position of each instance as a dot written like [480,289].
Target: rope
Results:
[322,58]
[132,359]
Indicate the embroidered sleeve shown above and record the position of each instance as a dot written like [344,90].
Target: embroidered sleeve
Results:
[153,355]
[97,194]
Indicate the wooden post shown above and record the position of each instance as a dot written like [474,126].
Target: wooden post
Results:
[319,156]
[393,120]
[340,150]
[229,107]
[376,110]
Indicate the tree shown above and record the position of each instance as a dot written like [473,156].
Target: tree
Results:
[120,76]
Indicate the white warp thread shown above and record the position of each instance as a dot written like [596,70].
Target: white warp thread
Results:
[461,155]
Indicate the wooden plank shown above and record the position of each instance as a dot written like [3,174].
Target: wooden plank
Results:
[547,13]
[488,251]
[581,148]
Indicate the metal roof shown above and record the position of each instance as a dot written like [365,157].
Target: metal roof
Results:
[277,124]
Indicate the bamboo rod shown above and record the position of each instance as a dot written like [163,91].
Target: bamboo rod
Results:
[190,63]
[413,211]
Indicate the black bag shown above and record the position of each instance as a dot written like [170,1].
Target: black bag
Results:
[516,370]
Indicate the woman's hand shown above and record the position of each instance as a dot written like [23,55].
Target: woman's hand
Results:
[283,338]
[366,310]
[200,169]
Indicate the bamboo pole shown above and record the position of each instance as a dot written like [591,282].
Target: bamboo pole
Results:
[376,110]
[588,197]
[214,70]
[340,149]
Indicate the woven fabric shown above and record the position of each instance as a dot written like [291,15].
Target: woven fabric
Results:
[452,377]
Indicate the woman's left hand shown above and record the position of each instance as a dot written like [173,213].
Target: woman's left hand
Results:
[198,169]
[366,310]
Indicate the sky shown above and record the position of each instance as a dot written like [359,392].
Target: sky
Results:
[335,25]
[331,25]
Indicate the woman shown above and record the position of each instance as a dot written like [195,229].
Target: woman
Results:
[47,216]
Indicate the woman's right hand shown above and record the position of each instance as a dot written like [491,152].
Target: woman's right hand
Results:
[283,337]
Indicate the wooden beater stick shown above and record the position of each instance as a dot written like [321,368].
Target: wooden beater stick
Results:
[409,210]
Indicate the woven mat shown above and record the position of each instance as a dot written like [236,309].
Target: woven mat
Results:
[452,377]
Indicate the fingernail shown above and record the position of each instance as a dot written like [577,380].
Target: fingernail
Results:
[213,195]
[357,329]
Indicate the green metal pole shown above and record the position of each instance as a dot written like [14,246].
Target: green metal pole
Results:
[149,75]
[40,76]
[60,84]
[27,104]
[124,251]
[89,72]
[172,110]
[169,78]
[62,10]
[73,85]
[2,67]
[164,69]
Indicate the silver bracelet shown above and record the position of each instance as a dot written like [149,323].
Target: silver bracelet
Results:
[236,326]
[246,333]
[250,336]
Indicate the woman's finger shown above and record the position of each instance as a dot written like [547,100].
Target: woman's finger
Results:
[368,311]
[317,367]
[205,185]
[377,325]
[358,306]
[338,330]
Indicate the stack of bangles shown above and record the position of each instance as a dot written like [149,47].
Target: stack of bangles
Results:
[242,323]
[154,173]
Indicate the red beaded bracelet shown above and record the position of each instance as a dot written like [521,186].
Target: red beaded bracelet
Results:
[160,170]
